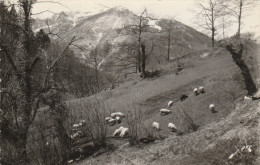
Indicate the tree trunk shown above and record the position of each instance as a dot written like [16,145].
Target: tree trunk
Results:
[213,38]
[139,62]
[97,79]
[239,18]
[169,45]
[22,158]
[237,57]
[212,28]
[143,60]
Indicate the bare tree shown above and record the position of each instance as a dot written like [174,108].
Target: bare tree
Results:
[134,122]
[137,32]
[168,28]
[95,62]
[224,23]
[28,82]
[237,9]
[210,11]
[94,111]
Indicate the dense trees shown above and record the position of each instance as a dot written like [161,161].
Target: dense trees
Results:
[28,77]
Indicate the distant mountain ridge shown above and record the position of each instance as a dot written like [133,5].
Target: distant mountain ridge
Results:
[102,27]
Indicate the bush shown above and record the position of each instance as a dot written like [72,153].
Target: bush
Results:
[134,123]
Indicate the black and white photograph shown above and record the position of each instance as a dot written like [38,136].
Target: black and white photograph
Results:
[130,82]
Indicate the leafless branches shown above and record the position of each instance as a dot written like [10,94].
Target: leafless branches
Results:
[237,9]
[210,11]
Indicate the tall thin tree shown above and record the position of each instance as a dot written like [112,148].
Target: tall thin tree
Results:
[210,11]
[238,8]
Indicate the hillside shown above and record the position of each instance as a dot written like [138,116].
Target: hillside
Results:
[211,144]
[224,85]
[109,86]
[219,134]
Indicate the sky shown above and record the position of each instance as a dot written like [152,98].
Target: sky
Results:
[181,10]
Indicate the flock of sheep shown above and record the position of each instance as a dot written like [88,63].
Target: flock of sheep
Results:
[201,90]
[122,131]
[76,132]
[116,118]
[163,112]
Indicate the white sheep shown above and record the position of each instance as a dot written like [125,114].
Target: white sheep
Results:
[172,127]
[201,89]
[70,161]
[212,107]
[165,111]
[118,120]
[112,122]
[124,132]
[248,147]
[247,98]
[75,125]
[118,131]
[119,114]
[170,103]
[107,119]
[156,126]
[196,91]
[74,135]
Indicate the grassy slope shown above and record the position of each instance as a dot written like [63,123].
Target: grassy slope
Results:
[224,86]
[217,73]
[212,144]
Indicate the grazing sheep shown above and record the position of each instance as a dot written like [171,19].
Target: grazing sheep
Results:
[119,114]
[75,125]
[107,119]
[165,111]
[212,108]
[201,89]
[156,126]
[70,161]
[172,127]
[248,147]
[170,103]
[183,97]
[112,122]
[118,120]
[247,98]
[196,91]
[118,131]
[74,135]
[124,132]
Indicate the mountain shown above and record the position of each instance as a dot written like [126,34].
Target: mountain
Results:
[101,27]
